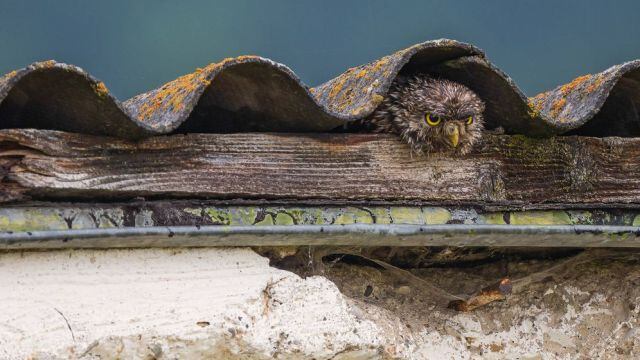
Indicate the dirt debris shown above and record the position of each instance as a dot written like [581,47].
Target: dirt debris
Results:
[568,304]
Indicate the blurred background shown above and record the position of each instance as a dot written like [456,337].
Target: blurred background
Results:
[134,46]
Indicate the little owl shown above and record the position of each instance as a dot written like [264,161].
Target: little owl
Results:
[431,115]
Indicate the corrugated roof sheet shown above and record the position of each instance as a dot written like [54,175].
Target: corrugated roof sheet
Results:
[250,93]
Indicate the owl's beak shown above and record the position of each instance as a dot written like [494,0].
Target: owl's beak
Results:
[454,137]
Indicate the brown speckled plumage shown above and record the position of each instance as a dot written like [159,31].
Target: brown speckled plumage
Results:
[410,99]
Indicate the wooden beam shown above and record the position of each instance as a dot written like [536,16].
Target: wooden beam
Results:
[510,171]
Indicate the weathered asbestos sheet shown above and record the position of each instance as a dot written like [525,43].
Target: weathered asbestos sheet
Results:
[250,93]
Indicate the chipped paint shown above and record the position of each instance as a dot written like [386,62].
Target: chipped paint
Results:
[60,217]
[434,216]
[540,218]
[31,219]
[493,219]
[407,215]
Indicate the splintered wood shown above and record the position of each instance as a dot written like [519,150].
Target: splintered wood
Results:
[505,171]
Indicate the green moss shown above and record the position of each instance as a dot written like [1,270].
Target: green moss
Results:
[268,220]
[636,221]
[244,216]
[218,216]
[299,215]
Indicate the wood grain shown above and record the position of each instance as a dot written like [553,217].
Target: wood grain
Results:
[511,171]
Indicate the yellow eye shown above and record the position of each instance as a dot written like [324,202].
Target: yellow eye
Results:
[470,120]
[432,120]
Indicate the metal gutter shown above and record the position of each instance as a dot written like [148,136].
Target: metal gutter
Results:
[328,235]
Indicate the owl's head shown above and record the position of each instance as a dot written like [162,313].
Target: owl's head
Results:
[440,114]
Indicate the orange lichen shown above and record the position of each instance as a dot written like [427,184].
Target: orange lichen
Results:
[536,103]
[377,98]
[361,74]
[9,75]
[567,88]
[101,89]
[557,106]
[337,87]
[380,63]
[243,57]
[595,84]
[45,64]
[358,111]
[535,108]
[171,95]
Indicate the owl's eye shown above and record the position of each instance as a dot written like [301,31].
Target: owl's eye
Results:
[470,120]
[432,120]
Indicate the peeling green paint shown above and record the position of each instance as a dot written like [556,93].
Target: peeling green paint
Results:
[193,211]
[31,219]
[283,218]
[540,218]
[60,218]
[354,216]
[436,216]
[580,217]
[268,220]
[407,215]
[244,215]
[493,218]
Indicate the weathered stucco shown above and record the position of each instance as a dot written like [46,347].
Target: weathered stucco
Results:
[229,303]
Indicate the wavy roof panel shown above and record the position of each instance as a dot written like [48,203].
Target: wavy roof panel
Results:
[250,93]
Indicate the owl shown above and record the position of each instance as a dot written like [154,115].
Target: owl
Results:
[430,114]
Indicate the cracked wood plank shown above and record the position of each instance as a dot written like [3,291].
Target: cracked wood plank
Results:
[509,171]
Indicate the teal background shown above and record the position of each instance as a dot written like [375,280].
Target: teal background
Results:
[134,46]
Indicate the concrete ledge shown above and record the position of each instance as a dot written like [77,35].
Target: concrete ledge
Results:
[179,303]
[221,303]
